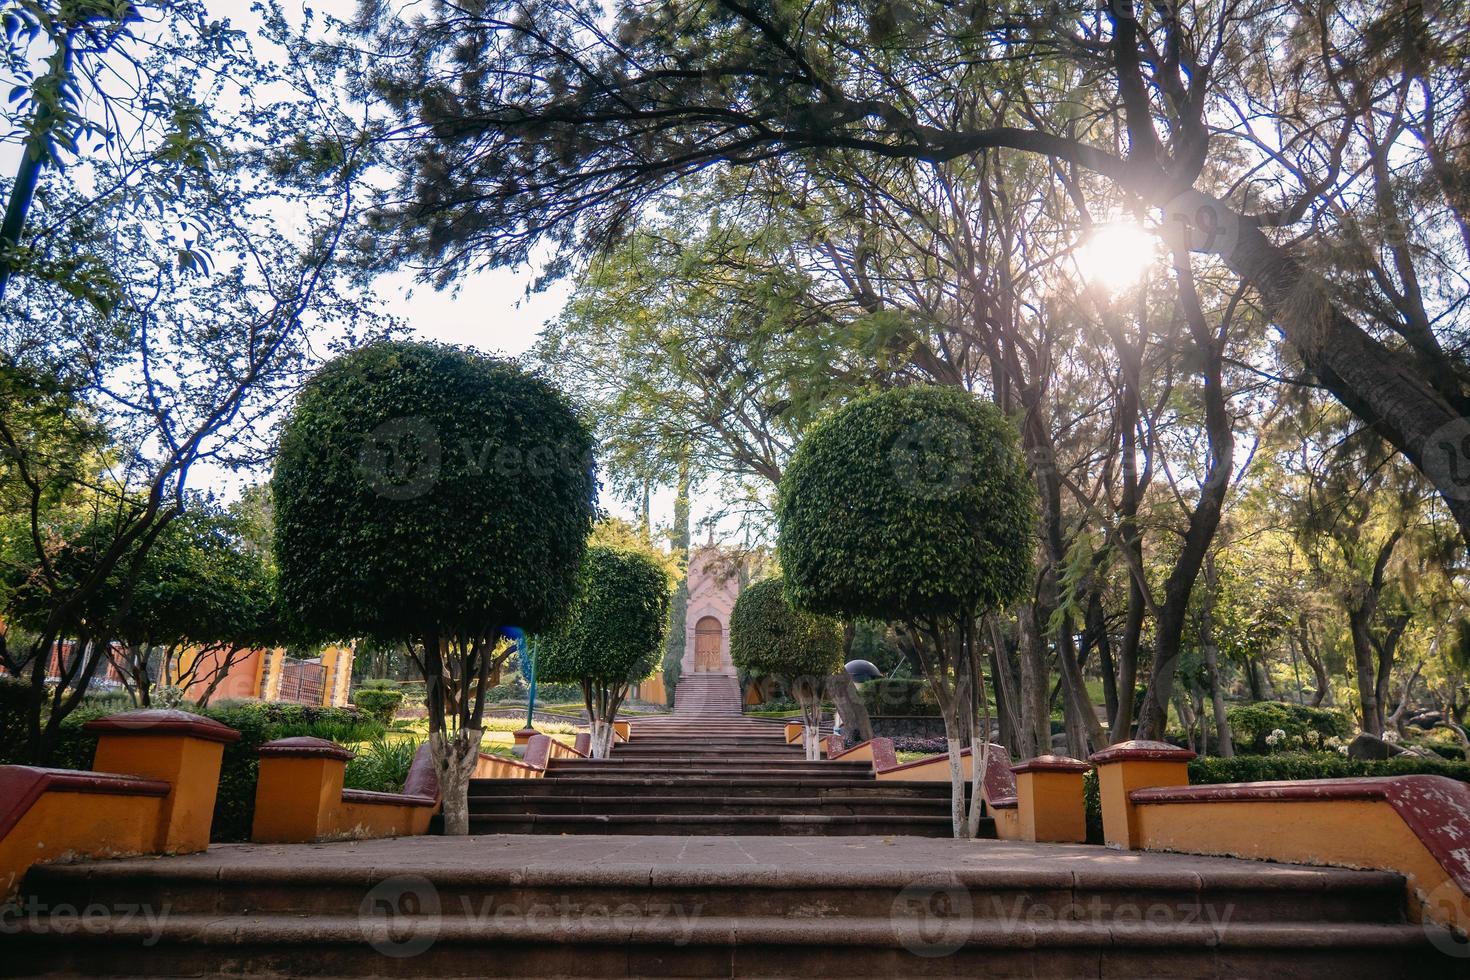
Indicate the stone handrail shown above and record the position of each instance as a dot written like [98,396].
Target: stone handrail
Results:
[1416,826]
[151,791]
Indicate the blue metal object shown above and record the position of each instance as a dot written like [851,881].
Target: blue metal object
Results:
[524,647]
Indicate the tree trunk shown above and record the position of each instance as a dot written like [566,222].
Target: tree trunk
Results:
[1097,632]
[1006,702]
[1224,741]
[979,735]
[1370,715]
[1035,711]
[1385,388]
[811,718]
[1205,517]
[854,713]
[455,758]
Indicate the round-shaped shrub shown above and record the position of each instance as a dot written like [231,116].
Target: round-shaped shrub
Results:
[425,490]
[767,636]
[614,632]
[912,505]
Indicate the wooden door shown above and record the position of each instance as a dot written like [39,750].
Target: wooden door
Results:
[707,634]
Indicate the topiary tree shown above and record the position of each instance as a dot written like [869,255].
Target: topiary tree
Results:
[613,636]
[800,649]
[913,506]
[429,496]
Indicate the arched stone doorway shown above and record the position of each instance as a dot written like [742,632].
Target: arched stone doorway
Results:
[708,637]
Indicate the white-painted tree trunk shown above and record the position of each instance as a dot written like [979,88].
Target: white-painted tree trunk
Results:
[811,721]
[455,758]
[958,822]
[602,739]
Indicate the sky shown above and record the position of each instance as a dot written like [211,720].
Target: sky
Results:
[492,310]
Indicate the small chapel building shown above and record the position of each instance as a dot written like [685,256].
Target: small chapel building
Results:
[715,580]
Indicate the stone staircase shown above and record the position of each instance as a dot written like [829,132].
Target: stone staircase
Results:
[744,867]
[706,769]
[590,906]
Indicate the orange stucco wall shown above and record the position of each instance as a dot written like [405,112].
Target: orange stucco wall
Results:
[190,765]
[1346,833]
[300,799]
[62,824]
[1051,807]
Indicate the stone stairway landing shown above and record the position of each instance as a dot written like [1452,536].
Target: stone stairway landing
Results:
[707,770]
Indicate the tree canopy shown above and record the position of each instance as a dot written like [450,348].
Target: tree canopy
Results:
[911,504]
[770,637]
[614,631]
[421,488]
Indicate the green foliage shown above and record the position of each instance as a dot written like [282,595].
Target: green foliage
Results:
[1252,724]
[378,703]
[614,632]
[419,487]
[912,504]
[1317,765]
[381,765]
[514,689]
[898,696]
[770,637]
[13,695]
[870,642]
[257,722]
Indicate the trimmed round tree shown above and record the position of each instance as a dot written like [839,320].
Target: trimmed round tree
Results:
[913,506]
[613,636]
[429,495]
[800,649]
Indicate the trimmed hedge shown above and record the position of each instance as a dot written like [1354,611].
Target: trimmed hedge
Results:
[898,696]
[1302,765]
[378,703]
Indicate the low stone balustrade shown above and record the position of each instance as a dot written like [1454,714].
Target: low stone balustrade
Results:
[152,791]
[1417,826]
[299,797]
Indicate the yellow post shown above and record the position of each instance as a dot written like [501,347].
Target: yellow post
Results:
[1049,799]
[1128,766]
[183,750]
[299,791]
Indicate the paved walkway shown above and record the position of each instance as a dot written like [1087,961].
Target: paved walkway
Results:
[784,859]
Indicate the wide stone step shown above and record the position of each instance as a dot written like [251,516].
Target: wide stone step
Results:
[704,804]
[714,786]
[521,873]
[707,759]
[764,946]
[508,906]
[690,824]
